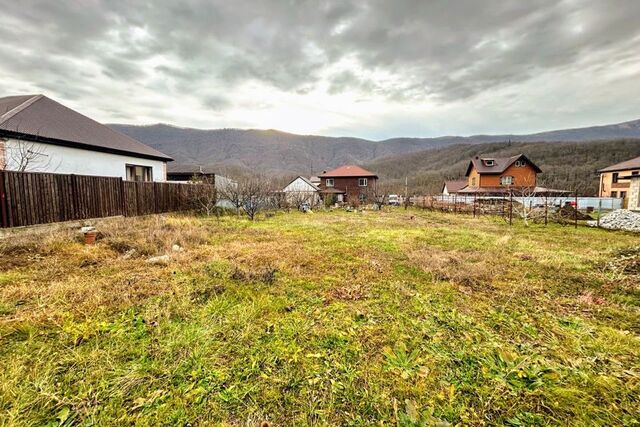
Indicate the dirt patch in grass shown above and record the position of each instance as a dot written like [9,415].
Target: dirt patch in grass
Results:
[471,270]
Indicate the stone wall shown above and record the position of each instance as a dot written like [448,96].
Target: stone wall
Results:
[634,194]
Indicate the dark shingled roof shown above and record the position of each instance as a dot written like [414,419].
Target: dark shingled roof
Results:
[500,164]
[627,164]
[38,118]
[454,186]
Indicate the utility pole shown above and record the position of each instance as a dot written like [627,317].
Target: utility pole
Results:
[406,192]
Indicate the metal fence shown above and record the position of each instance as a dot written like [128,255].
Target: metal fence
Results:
[563,209]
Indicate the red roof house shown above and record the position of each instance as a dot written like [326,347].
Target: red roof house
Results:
[350,184]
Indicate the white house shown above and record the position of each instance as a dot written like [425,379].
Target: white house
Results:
[38,134]
[452,187]
[301,190]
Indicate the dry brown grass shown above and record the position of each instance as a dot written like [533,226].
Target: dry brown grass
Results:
[55,274]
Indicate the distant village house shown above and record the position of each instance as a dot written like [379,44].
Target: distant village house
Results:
[349,184]
[497,174]
[615,180]
[302,190]
[453,187]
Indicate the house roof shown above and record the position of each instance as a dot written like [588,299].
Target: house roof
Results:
[348,171]
[38,118]
[627,164]
[455,185]
[500,164]
[315,187]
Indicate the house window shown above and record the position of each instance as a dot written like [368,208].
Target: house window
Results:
[506,180]
[623,194]
[489,162]
[614,178]
[614,194]
[362,182]
[139,173]
[329,182]
[362,197]
[635,173]
[520,163]
[473,181]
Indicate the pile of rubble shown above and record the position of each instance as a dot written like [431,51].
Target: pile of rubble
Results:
[620,219]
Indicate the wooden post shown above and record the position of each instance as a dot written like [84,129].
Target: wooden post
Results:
[510,208]
[74,197]
[406,192]
[474,205]
[546,208]
[599,212]
[575,214]
[123,198]
[3,201]
[455,203]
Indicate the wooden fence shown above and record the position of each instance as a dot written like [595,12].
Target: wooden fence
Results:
[28,198]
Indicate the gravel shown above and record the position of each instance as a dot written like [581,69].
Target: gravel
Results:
[620,219]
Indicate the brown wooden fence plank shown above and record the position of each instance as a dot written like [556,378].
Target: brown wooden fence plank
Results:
[28,198]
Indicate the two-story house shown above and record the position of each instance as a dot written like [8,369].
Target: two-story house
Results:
[615,179]
[349,184]
[501,174]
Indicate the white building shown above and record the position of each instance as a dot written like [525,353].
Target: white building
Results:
[301,190]
[38,134]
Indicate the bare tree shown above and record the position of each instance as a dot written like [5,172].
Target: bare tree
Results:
[381,194]
[24,156]
[230,192]
[249,194]
[279,200]
[524,206]
[254,195]
[205,195]
[298,199]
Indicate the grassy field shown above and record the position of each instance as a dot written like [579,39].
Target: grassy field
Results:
[378,318]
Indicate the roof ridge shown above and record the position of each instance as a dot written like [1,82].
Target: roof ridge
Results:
[308,181]
[15,110]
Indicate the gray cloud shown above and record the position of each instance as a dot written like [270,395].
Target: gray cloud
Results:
[445,52]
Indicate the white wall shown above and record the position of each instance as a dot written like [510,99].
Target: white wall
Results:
[298,185]
[634,194]
[67,160]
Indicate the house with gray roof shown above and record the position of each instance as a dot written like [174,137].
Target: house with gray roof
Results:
[38,134]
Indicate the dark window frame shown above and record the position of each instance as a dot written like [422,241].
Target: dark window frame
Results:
[147,172]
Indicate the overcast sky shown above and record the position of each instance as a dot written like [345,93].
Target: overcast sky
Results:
[352,67]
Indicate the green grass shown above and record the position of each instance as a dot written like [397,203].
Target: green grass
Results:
[377,318]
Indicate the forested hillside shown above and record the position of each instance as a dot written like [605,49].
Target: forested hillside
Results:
[277,153]
[565,165]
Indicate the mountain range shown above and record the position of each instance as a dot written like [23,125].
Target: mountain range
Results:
[426,160]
